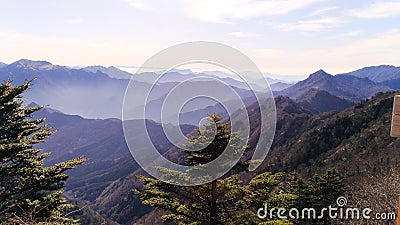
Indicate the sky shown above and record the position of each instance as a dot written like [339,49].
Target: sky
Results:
[287,37]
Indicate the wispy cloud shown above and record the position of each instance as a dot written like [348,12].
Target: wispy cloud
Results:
[239,34]
[269,52]
[377,10]
[350,34]
[311,25]
[358,53]
[322,11]
[224,10]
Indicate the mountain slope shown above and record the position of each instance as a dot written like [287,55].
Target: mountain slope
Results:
[118,202]
[103,143]
[319,101]
[356,141]
[394,84]
[343,86]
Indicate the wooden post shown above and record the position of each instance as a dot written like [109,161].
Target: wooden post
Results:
[398,214]
[395,132]
[395,128]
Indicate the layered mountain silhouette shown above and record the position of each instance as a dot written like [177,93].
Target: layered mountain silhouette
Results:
[111,71]
[344,86]
[278,86]
[383,75]
[98,92]
[377,74]
[72,91]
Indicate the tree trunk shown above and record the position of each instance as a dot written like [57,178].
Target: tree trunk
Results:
[213,206]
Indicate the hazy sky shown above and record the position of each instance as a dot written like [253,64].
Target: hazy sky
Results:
[282,36]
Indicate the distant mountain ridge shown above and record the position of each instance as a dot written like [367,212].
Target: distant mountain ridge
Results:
[95,92]
[72,91]
[344,86]
[111,71]
[92,93]
[279,86]
[377,74]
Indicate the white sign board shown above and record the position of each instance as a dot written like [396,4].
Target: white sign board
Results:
[395,128]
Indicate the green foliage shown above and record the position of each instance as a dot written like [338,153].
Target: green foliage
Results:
[29,192]
[226,200]
[236,202]
[341,140]
[212,139]
[318,192]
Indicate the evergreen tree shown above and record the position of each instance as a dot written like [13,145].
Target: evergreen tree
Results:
[266,190]
[318,192]
[30,193]
[226,200]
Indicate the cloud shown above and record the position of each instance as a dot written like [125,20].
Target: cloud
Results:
[322,11]
[350,34]
[224,10]
[388,41]
[377,50]
[377,10]
[70,50]
[269,52]
[310,25]
[239,34]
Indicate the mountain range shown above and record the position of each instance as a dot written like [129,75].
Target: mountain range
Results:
[384,75]
[323,121]
[306,142]
[111,71]
[377,74]
[344,86]
[98,92]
